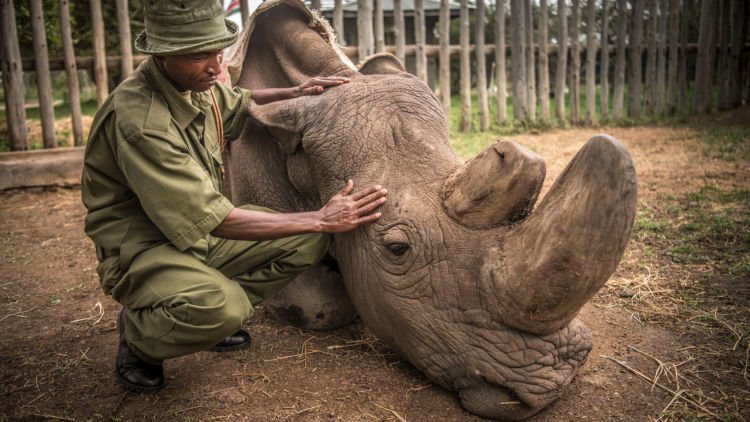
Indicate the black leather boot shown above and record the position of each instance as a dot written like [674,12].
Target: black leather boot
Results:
[132,372]
[237,341]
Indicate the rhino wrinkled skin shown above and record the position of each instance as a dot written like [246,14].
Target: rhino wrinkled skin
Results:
[459,275]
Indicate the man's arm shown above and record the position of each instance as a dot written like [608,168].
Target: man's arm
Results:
[341,213]
[314,86]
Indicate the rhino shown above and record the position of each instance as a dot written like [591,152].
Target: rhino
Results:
[462,275]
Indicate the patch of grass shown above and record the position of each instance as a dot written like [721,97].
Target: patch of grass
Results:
[726,142]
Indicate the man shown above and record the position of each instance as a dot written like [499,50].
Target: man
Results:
[185,263]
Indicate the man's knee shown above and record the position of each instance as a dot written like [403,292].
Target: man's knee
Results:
[312,248]
[224,307]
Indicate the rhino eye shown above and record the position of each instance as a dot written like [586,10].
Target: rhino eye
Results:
[398,249]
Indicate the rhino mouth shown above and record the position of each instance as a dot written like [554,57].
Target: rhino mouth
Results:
[496,401]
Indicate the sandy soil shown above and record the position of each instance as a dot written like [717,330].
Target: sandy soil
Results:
[58,340]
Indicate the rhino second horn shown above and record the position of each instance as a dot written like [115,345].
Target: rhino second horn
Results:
[554,261]
[497,187]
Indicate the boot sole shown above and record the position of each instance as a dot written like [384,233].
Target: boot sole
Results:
[222,349]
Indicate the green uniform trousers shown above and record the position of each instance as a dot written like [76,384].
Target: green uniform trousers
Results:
[183,302]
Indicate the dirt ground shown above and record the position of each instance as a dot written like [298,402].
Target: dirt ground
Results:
[58,337]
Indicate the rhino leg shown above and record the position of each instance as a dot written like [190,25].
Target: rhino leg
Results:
[314,300]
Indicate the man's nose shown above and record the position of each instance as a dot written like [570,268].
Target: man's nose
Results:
[214,63]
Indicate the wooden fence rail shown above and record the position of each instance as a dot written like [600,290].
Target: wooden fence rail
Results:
[720,55]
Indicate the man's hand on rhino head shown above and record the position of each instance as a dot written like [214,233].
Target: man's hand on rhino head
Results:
[344,212]
[317,85]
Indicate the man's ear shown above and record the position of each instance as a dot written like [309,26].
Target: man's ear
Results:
[282,120]
[381,64]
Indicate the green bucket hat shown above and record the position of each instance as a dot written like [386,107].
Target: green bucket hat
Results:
[184,27]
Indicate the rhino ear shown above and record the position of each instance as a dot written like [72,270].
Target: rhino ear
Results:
[282,120]
[380,64]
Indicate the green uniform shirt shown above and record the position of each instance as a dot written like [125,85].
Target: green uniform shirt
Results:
[152,168]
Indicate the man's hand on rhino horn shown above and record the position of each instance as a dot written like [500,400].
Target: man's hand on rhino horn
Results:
[345,212]
[316,86]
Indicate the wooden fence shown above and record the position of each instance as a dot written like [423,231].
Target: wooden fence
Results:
[720,58]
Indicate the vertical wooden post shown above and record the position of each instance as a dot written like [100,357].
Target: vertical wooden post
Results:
[43,80]
[365,42]
[484,109]
[126,49]
[704,62]
[71,70]
[651,38]
[500,75]
[591,63]
[619,89]
[562,61]
[245,11]
[530,62]
[575,62]
[635,80]
[420,38]
[338,21]
[379,30]
[604,71]
[518,59]
[543,63]
[682,79]
[445,55]
[674,35]
[100,55]
[661,62]
[400,25]
[465,121]
[722,72]
[12,77]
[736,62]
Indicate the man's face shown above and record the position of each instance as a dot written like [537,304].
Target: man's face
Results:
[193,72]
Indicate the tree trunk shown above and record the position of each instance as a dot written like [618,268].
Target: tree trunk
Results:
[591,63]
[43,79]
[444,27]
[736,62]
[530,61]
[338,21]
[500,76]
[651,37]
[71,70]
[379,29]
[575,63]
[465,122]
[518,59]
[366,46]
[636,50]
[420,37]
[100,54]
[484,110]
[704,61]
[682,72]
[622,30]
[722,74]
[562,61]
[400,25]
[604,72]
[543,63]
[674,20]
[123,28]
[12,74]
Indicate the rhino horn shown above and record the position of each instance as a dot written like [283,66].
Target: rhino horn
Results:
[553,262]
[497,187]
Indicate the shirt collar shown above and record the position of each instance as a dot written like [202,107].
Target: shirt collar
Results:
[182,110]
